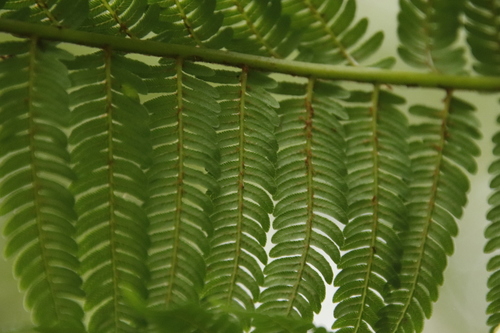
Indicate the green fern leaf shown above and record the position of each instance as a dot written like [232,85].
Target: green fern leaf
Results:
[129,18]
[183,119]
[493,243]
[240,218]
[192,22]
[265,31]
[438,195]
[310,201]
[482,36]
[328,34]
[35,174]
[427,31]
[154,216]
[379,168]
[59,13]
[109,151]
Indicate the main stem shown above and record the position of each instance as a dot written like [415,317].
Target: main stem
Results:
[297,68]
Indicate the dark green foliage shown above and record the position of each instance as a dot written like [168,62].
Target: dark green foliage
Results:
[182,125]
[441,147]
[265,31]
[192,317]
[242,206]
[60,13]
[40,220]
[483,39]
[140,198]
[482,35]
[493,236]
[493,244]
[310,181]
[427,31]
[328,32]
[379,168]
[191,22]
[109,150]
[128,18]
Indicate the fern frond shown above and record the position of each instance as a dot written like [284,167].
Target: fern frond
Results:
[34,174]
[427,31]
[109,151]
[328,34]
[441,148]
[185,161]
[128,18]
[493,243]
[483,35]
[311,201]
[192,22]
[259,27]
[59,13]
[242,207]
[378,169]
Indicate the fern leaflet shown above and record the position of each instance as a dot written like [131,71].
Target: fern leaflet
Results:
[182,124]
[109,152]
[427,30]
[482,35]
[440,149]
[310,201]
[379,168]
[127,18]
[192,22]
[483,40]
[265,31]
[59,13]
[327,34]
[35,175]
[242,208]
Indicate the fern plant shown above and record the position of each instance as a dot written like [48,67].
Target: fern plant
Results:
[209,166]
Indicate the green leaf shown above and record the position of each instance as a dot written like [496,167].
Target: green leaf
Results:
[61,13]
[110,184]
[481,36]
[328,33]
[36,175]
[437,196]
[375,209]
[265,31]
[427,32]
[246,147]
[298,213]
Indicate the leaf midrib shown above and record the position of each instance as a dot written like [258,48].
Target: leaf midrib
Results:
[108,53]
[241,182]
[180,182]
[34,171]
[430,209]
[308,131]
[375,203]
[333,38]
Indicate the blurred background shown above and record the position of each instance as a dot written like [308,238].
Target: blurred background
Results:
[462,303]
